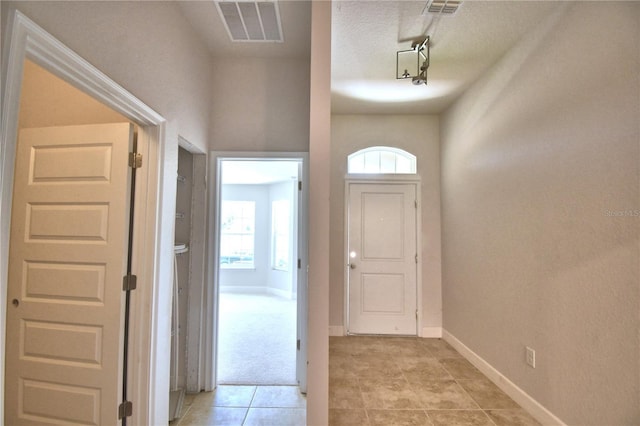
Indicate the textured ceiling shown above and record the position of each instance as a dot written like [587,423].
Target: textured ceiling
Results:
[366,35]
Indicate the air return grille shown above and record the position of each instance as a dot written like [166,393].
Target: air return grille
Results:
[251,21]
[442,6]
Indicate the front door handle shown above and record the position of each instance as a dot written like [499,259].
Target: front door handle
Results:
[352,265]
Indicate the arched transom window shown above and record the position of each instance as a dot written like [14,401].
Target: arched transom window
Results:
[382,159]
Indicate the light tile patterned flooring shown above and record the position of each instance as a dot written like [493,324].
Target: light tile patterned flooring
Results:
[235,405]
[399,381]
[412,381]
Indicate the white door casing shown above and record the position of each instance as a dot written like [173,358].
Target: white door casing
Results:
[210,314]
[154,212]
[68,254]
[382,254]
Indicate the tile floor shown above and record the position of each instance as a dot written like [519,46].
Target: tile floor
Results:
[399,381]
[235,405]
[412,381]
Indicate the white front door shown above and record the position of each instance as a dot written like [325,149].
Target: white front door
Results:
[382,256]
[68,253]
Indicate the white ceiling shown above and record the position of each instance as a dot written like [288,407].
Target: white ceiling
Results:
[366,35]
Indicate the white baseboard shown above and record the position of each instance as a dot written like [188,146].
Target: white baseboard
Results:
[336,330]
[280,293]
[533,407]
[431,332]
[428,332]
[245,289]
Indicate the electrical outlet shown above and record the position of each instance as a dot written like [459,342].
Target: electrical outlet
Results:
[530,357]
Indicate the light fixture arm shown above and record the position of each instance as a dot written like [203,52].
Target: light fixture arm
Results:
[419,46]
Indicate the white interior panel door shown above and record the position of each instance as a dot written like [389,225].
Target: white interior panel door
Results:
[68,252]
[382,259]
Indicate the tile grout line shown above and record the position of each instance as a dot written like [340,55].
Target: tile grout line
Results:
[364,406]
[360,393]
[246,414]
[426,410]
[455,380]
[468,394]
[404,376]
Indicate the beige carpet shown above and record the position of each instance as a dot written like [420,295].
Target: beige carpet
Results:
[257,340]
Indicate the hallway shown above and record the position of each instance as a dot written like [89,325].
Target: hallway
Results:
[373,381]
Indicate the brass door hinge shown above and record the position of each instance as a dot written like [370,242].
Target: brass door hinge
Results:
[135,160]
[125,409]
[129,282]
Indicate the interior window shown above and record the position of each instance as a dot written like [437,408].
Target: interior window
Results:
[238,219]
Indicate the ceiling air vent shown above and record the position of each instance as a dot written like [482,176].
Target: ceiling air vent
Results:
[442,6]
[251,21]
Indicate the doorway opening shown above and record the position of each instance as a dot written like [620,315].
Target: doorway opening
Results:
[188,274]
[62,287]
[27,41]
[33,50]
[257,262]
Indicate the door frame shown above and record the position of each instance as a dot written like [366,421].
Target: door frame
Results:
[213,268]
[152,242]
[197,266]
[384,179]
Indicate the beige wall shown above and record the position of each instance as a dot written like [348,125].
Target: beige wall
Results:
[319,218]
[260,105]
[418,134]
[536,159]
[46,100]
[146,47]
